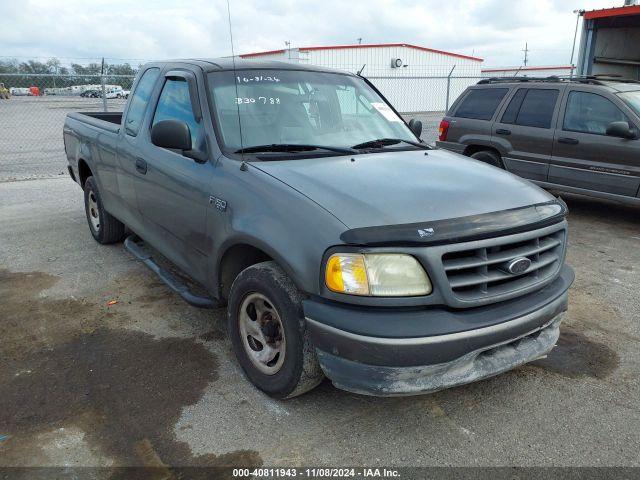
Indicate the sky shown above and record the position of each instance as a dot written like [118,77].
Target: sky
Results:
[141,30]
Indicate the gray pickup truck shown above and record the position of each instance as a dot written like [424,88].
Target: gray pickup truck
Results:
[341,244]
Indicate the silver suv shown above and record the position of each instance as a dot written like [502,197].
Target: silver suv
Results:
[577,135]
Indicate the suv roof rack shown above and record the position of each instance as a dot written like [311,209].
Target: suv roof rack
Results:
[590,79]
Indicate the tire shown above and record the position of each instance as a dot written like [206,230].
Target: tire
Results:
[104,227]
[294,370]
[487,156]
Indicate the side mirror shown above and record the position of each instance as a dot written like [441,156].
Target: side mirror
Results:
[620,129]
[416,127]
[172,134]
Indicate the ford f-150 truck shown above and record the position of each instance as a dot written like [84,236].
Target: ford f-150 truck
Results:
[340,243]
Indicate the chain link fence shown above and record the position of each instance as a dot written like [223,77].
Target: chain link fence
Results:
[31,120]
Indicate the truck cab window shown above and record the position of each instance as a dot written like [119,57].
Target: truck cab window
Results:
[139,101]
[591,113]
[175,104]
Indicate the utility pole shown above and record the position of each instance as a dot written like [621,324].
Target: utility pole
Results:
[359,40]
[526,54]
[288,45]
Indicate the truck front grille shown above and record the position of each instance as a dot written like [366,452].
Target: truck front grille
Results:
[481,273]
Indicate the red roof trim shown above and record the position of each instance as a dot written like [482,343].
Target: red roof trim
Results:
[526,69]
[613,12]
[373,45]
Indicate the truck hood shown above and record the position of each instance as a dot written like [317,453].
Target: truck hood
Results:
[403,187]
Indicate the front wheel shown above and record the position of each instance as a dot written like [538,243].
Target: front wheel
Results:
[104,227]
[267,329]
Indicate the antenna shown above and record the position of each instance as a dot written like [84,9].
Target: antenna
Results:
[361,70]
[235,80]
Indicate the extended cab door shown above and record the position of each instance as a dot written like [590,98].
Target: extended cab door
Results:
[130,141]
[524,130]
[584,156]
[173,186]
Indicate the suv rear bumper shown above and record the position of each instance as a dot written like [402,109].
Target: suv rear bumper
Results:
[410,365]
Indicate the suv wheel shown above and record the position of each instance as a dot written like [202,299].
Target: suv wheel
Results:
[267,329]
[487,156]
[104,227]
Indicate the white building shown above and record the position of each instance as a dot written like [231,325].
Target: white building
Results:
[413,78]
[539,71]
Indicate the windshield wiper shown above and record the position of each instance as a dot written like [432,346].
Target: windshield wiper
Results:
[292,147]
[384,142]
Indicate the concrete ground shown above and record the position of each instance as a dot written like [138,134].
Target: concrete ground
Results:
[150,380]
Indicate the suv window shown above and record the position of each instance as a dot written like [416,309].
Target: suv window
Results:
[531,107]
[590,113]
[175,104]
[481,104]
[139,100]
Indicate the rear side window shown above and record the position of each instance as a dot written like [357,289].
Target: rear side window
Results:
[139,100]
[175,104]
[591,113]
[481,104]
[531,107]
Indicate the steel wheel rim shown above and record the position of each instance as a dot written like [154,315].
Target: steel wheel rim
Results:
[94,211]
[262,333]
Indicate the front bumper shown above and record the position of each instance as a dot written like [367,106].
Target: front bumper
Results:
[388,366]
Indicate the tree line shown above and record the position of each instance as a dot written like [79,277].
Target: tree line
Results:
[72,74]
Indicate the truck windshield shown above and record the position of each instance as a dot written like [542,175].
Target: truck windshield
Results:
[292,107]
[632,99]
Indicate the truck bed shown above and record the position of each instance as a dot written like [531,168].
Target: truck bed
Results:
[110,121]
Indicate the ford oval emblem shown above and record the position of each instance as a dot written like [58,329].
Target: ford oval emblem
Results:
[518,266]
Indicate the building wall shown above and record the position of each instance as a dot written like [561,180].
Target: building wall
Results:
[419,85]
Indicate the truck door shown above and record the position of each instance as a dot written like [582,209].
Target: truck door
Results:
[127,149]
[584,156]
[172,188]
[525,131]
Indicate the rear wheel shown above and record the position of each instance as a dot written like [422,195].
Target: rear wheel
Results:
[267,329]
[490,157]
[104,227]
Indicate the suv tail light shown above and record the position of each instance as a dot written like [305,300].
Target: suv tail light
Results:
[443,130]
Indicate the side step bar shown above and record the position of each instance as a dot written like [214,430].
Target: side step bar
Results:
[136,247]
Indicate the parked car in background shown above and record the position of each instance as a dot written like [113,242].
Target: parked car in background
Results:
[114,92]
[579,135]
[126,93]
[340,243]
[91,94]
[19,91]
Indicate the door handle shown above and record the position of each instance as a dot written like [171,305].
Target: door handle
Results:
[568,141]
[503,131]
[141,166]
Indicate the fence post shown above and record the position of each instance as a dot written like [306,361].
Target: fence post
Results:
[449,87]
[104,89]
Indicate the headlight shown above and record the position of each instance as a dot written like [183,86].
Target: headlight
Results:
[376,274]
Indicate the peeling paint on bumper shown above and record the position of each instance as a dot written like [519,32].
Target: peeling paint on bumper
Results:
[479,364]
